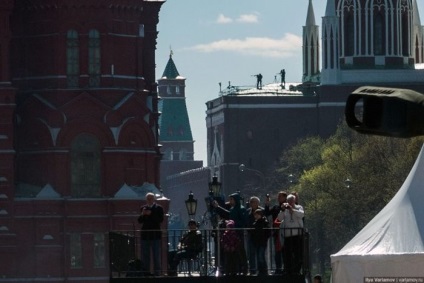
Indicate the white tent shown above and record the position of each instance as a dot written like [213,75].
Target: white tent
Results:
[391,245]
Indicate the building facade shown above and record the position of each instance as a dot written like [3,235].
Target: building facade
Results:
[371,42]
[78,132]
[364,42]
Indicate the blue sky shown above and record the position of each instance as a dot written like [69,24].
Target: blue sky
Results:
[230,40]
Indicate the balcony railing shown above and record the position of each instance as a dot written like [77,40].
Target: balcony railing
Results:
[125,249]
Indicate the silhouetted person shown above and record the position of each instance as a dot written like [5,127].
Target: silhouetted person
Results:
[151,217]
[190,245]
[258,81]
[283,77]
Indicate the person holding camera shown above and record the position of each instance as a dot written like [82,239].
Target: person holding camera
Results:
[291,217]
[254,202]
[151,217]
[274,211]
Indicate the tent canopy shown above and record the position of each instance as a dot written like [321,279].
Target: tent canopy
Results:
[391,244]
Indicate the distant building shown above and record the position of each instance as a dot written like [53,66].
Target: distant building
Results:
[177,144]
[79,144]
[364,42]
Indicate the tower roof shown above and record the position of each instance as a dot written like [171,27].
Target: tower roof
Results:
[310,19]
[171,71]
[417,20]
[330,10]
[174,121]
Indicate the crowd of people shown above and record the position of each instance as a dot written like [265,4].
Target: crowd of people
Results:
[245,231]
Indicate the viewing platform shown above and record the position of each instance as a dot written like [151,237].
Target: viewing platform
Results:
[125,265]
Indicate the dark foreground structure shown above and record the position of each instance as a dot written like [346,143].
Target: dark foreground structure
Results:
[245,279]
[125,265]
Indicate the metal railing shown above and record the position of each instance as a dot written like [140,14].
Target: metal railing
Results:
[125,249]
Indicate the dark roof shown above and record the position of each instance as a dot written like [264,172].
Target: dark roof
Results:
[174,123]
[171,71]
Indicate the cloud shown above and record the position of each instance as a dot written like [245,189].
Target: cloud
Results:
[255,46]
[248,18]
[244,19]
[223,19]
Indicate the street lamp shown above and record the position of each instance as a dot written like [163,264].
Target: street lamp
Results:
[291,178]
[215,187]
[261,175]
[191,204]
[348,183]
[215,194]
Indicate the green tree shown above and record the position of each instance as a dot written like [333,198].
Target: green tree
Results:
[343,182]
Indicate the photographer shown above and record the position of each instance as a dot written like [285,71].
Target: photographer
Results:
[273,211]
[151,217]
[291,217]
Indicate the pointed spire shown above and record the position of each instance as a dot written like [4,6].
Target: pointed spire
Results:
[310,19]
[171,71]
[417,20]
[330,11]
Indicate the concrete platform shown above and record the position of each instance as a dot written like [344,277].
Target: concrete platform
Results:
[210,279]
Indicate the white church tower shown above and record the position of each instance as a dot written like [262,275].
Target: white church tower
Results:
[371,41]
[311,52]
[330,74]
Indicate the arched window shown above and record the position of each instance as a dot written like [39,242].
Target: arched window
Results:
[169,154]
[379,35]
[72,59]
[349,36]
[306,61]
[183,154]
[85,166]
[325,48]
[94,58]
[405,35]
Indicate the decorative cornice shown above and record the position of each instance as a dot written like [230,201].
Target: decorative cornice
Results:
[124,5]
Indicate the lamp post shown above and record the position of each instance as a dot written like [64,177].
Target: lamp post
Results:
[348,183]
[191,204]
[261,175]
[291,178]
[215,194]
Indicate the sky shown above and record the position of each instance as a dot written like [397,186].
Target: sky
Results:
[226,41]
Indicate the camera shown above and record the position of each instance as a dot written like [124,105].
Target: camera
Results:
[386,111]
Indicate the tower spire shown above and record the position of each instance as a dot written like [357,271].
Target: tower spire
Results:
[170,71]
[330,10]
[310,47]
[310,19]
[417,20]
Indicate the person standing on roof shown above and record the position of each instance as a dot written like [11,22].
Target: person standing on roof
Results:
[258,81]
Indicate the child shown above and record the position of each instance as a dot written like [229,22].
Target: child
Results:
[231,244]
[260,235]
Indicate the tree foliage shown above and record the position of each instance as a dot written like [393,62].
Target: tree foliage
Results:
[336,209]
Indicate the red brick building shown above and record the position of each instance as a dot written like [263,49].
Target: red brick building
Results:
[78,132]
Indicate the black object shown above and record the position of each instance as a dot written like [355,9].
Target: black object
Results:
[134,268]
[391,112]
